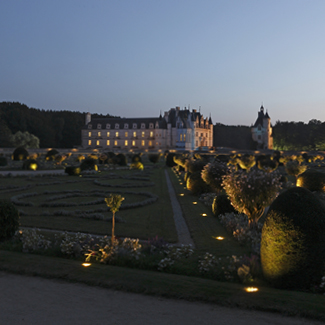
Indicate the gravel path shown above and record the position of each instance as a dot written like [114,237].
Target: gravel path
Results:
[183,233]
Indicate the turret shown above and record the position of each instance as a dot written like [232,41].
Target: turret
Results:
[88,118]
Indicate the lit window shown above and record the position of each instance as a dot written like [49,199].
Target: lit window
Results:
[142,143]
[142,134]
[108,134]
[133,143]
[108,142]
[150,143]
[126,134]
[89,134]
[117,126]
[99,126]
[126,126]
[184,137]
[116,134]
[99,134]
[134,134]
[126,143]
[181,137]
[97,143]
[108,126]
[134,125]
[89,142]
[115,143]
[143,126]
[151,134]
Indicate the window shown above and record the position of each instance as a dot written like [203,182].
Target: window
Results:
[108,126]
[89,126]
[99,126]
[108,142]
[117,126]
[142,142]
[97,143]
[196,134]
[142,134]
[143,126]
[126,143]
[89,142]
[99,134]
[133,143]
[108,134]
[206,135]
[115,143]
[196,143]
[151,134]
[126,134]
[134,134]
[150,125]
[181,137]
[126,126]
[157,125]
[184,137]
[150,143]
[134,125]
[116,134]
[259,137]
[89,134]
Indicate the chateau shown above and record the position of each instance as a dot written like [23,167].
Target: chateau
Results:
[177,129]
[262,130]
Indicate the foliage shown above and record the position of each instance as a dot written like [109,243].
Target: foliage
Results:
[72,170]
[267,164]
[20,153]
[3,161]
[154,157]
[136,158]
[121,159]
[30,164]
[221,205]
[312,180]
[9,220]
[170,159]
[212,174]
[194,165]
[137,165]
[50,155]
[32,240]
[246,162]
[294,168]
[88,164]
[293,240]
[251,192]
[24,139]
[196,185]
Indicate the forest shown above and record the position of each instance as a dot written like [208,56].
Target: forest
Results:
[55,129]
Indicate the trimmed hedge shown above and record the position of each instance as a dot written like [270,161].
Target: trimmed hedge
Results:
[9,220]
[221,205]
[312,180]
[20,153]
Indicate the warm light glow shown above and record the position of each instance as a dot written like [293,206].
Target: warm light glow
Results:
[181,183]
[86,264]
[194,202]
[182,194]
[251,289]
[204,215]
[219,238]
[33,166]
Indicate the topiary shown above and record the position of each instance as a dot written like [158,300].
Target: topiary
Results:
[50,155]
[212,174]
[9,220]
[135,158]
[312,180]
[194,165]
[170,159]
[30,164]
[294,168]
[154,157]
[196,184]
[20,153]
[293,240]
[246,162]
[137,165]
[121,159]
[88,164]
[72,170]
[221,205]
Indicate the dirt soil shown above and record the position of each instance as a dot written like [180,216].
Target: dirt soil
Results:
[33,300]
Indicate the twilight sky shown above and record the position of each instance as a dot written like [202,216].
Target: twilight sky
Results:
[135,58]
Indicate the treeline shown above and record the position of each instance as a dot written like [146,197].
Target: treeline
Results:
[55,129]
[299,135]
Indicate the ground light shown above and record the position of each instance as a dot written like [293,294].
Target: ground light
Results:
[86,264]
[194,202]
[204,215]
[251,289]
[182,194]
[218,238]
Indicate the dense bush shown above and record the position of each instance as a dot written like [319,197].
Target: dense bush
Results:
[266,163]
[246,162]
[30,164]
[3,161]
[72,170]
[50,155]
[137,165]
[212,174]
[9,220]
[312,180]
[293,240]
[221,205]
[154,157]
[194,165]
[294,168]
[88,164]
[20,153]
[170,159]
[196,185]
[136,158]
[121,160]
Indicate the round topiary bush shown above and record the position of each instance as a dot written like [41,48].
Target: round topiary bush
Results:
[221,205]
[293,240]
[30,164]
[50,155]
[88,164]
[72,170]
[312,180]
[121,159]
[170,159]
[20,153]
[135,158]
[9,220]
[196,184]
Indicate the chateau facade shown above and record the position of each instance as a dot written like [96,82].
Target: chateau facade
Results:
[262,130]
[177,130]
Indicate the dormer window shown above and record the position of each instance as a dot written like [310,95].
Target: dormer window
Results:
[157,125]
[134,125]
[117,126]
[99,126]
[150,125]
[143,126]
[259,128]
[89,126]
[108,126]
[126,126]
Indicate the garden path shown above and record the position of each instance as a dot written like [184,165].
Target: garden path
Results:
[184,236]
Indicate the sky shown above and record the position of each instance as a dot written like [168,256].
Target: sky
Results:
[137,58]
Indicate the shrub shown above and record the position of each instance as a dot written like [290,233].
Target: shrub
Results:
[246,162]
[154,157]
[50,155]
[294,168]
[20,153]
[88,164]
[110,157]
[136,158]
[30,164]
[212,174]
[3,161]
[293,240]
[194,165]
[80,158]
[9,220]
[137,165]
[221,205]
[267,164]
[72,170]
[195,184]
[312,180]
[121,159]
[170,159]
[251,192]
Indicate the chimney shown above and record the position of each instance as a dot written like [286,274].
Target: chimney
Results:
[88,118]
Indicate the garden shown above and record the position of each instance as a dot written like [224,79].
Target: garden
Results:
[257,222]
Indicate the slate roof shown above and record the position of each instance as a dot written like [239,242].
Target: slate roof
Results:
[260,117]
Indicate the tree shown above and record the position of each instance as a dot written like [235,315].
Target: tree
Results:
[24,139]
[114,202]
